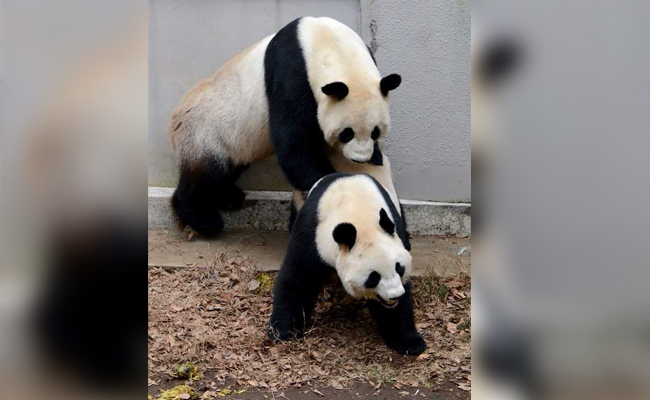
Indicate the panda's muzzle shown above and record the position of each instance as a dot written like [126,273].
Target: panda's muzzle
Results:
[388,303]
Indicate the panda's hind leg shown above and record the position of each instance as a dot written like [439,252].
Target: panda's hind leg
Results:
[203,189]
[231,197]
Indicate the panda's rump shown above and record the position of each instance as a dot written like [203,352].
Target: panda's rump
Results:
[226,114]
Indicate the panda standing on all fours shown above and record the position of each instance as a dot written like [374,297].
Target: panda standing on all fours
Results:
[348,224]
[311,94]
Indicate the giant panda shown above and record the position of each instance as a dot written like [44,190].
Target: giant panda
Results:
[348,224]
[300,93]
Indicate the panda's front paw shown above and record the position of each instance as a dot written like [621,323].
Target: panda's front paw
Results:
[279,334]
[411,344]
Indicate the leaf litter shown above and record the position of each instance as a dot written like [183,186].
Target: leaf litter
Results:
[211,322]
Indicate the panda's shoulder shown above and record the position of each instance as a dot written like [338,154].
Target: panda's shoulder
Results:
[312,30]
[392,207]
[309,23]
[318,193]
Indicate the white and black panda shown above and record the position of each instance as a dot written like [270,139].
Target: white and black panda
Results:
[310,89]
[348,224]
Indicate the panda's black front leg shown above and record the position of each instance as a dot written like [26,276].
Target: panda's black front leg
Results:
[294,297]
[397,325]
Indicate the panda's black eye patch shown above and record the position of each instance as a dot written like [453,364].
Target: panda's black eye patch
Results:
[346,135]
[399,269]
[373,280]
[377,158]
[375,133]
[385,222]
[345,234]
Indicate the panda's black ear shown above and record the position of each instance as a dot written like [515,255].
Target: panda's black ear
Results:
[345,234]
[385,222]
[390,82]
[336,89]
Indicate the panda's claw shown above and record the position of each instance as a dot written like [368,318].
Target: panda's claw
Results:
[283,335]
[278,336]
[411,344]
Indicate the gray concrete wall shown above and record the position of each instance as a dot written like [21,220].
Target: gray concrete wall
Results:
[2,41]
[427,42]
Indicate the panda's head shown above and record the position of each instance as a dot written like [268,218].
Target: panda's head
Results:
[372,262]
[354,116]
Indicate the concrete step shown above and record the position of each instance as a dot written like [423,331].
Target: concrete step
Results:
[172,249]
[269,211]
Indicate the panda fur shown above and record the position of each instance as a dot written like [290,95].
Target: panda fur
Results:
[297,93]
[378,167]
[348,224]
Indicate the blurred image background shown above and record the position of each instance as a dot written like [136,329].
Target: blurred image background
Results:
[560,298]
[560,95]
[73,154]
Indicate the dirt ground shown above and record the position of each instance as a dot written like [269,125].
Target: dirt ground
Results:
[357,391]
[215,318]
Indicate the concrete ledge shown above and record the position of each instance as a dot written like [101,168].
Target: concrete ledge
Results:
[265,210]
[171,249]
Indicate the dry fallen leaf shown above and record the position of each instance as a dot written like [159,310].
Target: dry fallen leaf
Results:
[424,356]
[453,284]
[335,384]
[318,393]
[253,285]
